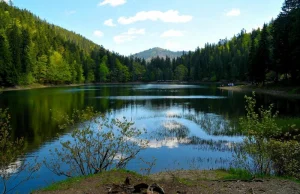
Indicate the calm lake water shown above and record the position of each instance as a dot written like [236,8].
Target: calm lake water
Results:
[190,126]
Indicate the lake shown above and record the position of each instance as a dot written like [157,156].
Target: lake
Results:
[191,126]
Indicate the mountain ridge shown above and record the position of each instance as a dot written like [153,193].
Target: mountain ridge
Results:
[158,52]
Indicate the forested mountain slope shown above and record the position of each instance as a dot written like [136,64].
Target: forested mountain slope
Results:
[34,51]
[157,52]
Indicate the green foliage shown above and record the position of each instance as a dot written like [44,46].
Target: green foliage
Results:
[97,144]
[138,71]
[121,72]
[11,152]
[5,60]
[258,127]
[213,78]
[267,147]
[29,45]
[58,70]
[33,51]
[238,174]
[40,69]
[261,123]
[180,72]
[103,70]
[286,157]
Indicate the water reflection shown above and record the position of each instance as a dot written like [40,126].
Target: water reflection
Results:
[185,123]
[159,97]
[167,86]
[12,168]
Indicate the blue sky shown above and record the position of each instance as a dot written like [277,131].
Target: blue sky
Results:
[131,26]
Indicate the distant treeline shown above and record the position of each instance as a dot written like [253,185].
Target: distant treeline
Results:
[271,53]
[34,51]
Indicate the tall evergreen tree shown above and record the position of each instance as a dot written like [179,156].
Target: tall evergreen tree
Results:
[263,56]
[5,61]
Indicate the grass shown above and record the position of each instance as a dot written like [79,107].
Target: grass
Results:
[109,177]
[63,185]
[294,91]
[287,121]
[244,175]
[118,176]
[237,174]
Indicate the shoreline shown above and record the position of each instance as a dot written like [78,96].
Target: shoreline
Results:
[37,86]
[177,181]
[279,91]
[274,91]
[40,86]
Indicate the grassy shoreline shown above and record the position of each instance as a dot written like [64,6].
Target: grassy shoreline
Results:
[190,181]
[288,92]
[38,86]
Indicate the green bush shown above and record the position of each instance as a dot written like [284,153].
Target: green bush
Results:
[286,157]
[97,144]
[267,148]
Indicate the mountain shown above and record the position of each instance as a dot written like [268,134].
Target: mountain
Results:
[160,52]
[35,51]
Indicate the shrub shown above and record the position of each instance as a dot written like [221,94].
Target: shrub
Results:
[11,157]
[286,157]
[97,144]
[267,148]
[258,127]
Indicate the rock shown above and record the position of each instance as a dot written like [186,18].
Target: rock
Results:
[127,181]
[155,187]
[121,189]
[140,187]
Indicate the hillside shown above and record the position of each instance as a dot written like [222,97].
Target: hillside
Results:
[160,52]
[35,51]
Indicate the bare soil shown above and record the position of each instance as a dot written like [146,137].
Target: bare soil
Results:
[189,182]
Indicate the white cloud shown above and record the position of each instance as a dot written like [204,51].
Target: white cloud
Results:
[129,35]
[98,33]
[113,3]
[172,33]
[170,16]
[233,12]
[122,38]
[173,46]
[109,22]
[167,142]
[70,12]
[132,31]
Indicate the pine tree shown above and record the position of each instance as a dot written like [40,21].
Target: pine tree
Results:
[15,40]
[263,55]
[290,5]
[5,61]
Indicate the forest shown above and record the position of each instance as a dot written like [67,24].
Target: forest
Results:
[35,51]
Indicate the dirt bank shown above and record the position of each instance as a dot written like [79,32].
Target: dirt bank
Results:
[189,182]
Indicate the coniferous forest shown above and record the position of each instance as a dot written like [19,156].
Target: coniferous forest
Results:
[34,51]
